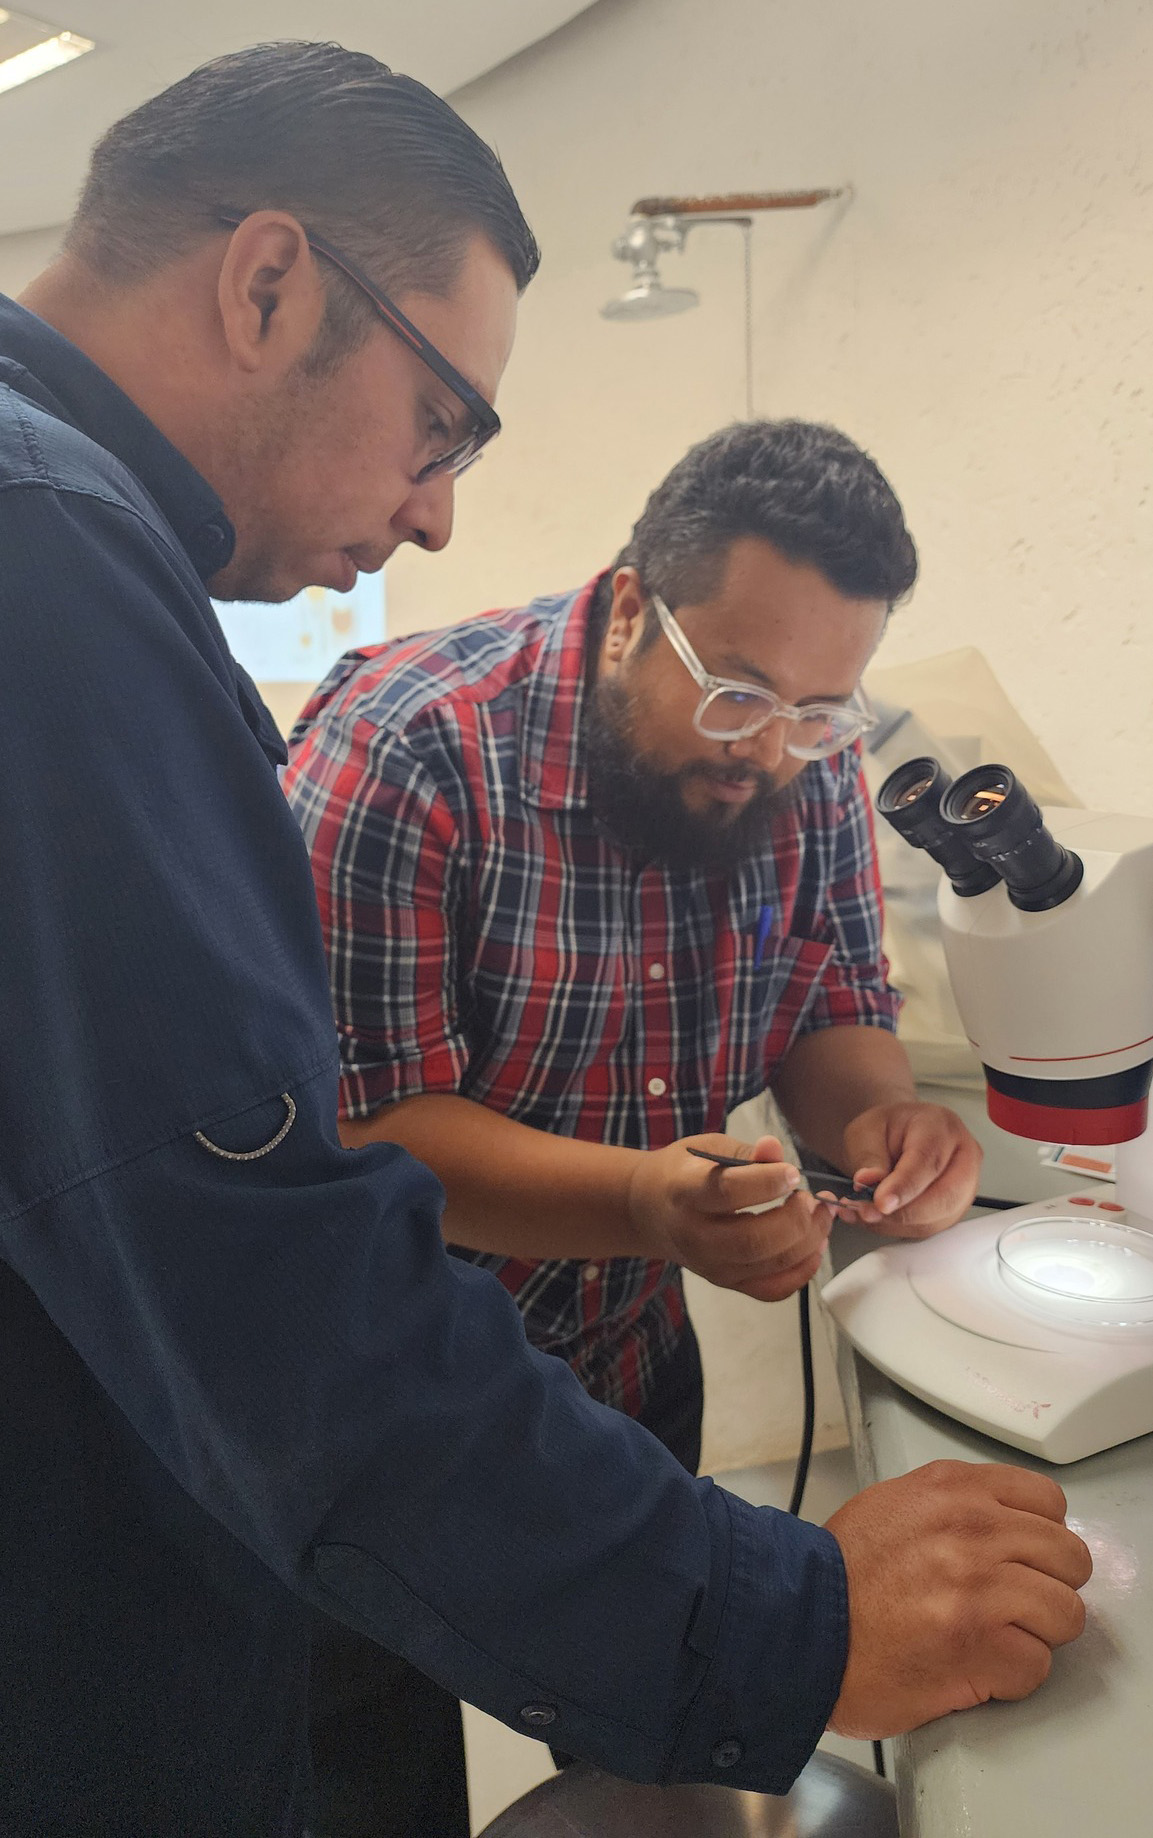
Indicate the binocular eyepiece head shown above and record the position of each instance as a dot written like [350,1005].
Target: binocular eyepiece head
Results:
[981,828]
[910,799]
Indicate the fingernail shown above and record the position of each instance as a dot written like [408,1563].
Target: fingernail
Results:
[890,1204]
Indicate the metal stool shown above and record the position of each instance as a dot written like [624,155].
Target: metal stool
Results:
[831,1799]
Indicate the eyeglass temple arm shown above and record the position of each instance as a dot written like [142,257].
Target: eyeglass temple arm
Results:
[681,645]
[410,334]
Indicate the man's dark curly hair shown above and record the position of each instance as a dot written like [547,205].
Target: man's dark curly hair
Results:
[807,489]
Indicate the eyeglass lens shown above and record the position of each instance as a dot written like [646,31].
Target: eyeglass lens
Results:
[457,459]
[735,714]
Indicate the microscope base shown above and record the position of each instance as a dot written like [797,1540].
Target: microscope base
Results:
[942,1319]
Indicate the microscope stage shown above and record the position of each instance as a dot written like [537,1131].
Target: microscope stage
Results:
[1045,1343]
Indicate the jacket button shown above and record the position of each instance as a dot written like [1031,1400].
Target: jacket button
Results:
[538,1716]
[727,1754]
[214,544]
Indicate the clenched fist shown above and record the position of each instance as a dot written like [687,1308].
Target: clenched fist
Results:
[962,1579]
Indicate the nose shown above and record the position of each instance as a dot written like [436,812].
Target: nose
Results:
[426,515]
[766,749]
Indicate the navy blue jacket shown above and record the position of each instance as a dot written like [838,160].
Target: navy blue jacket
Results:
[230,1387]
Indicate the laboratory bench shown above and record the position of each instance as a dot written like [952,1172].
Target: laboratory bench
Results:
[1076,1758]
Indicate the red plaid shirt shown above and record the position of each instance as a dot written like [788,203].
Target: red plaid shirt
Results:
[485,937]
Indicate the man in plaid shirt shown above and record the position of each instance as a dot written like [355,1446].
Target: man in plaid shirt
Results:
[582,896]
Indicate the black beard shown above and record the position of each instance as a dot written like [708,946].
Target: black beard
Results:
[644,809]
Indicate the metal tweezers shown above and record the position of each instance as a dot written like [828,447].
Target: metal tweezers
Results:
[841,1184]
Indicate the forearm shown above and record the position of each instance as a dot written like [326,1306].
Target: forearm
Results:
[365,1415]
[510,1188]
[830,1077]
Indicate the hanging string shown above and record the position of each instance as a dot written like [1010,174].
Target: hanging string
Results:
[747,229]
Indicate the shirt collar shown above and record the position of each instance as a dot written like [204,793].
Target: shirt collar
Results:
[69,385]
[552,759]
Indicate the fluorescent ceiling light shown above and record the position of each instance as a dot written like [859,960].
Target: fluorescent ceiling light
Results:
[30,47]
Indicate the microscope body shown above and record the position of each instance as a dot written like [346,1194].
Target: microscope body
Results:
[1033,1325]
[1059,1003]
[1047,925]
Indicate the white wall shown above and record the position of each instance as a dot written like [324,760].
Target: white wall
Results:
[979,317]
[24,255]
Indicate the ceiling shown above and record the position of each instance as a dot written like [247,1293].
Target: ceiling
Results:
[48,126]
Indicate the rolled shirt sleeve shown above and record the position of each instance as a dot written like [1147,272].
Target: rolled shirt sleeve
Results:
[854,990]
[285,1332]
[390,886]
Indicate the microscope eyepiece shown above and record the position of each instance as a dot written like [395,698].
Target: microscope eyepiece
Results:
[1001,825]
[913,785]
[910,799]
[984,800]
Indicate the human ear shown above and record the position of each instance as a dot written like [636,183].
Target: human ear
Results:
[626,614]
[270,294]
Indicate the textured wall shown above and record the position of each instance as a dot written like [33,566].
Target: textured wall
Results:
[979,317]
[24,255]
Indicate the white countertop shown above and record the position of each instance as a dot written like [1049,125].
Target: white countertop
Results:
[1076,1759]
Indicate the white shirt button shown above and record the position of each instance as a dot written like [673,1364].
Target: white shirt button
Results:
[657,1088]
[591,1272]
[656,972]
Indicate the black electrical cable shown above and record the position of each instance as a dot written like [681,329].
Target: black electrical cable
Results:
[802,1469]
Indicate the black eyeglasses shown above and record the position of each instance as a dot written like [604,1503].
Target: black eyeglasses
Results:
[485,420]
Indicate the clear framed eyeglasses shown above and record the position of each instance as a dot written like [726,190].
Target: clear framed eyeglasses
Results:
[730,710]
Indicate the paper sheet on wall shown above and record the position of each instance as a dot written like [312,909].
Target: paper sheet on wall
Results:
[299,641]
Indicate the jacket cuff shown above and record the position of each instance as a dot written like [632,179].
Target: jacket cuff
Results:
[780,1651]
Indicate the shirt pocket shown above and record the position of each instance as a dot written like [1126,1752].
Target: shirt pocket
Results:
[789,972]
[771,1002]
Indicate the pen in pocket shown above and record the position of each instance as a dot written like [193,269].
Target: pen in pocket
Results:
[764,928]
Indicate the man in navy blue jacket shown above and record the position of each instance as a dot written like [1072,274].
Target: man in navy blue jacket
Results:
[241,1378]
